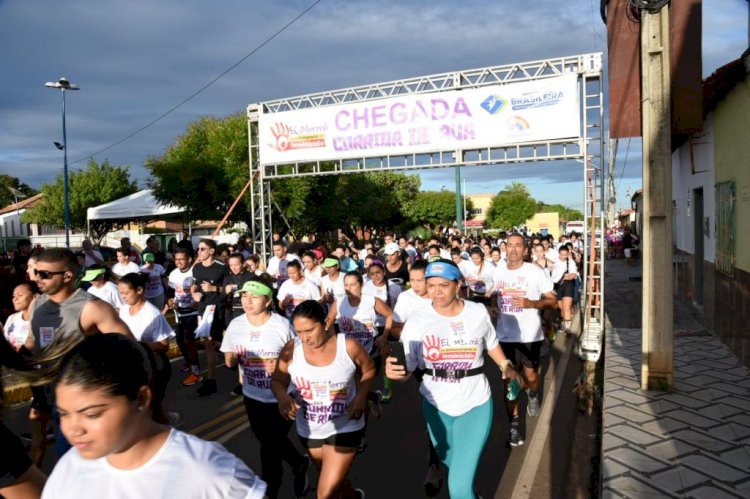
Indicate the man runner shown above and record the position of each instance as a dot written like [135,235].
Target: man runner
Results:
[522,288]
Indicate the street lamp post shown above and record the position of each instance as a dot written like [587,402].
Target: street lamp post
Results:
[63,84]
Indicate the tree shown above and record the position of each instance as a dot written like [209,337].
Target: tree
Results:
[95,185]
[205,169]
[6,194]
[566,214]
[511,207]
[431,209]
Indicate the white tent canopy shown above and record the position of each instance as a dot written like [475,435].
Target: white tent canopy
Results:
[142,204]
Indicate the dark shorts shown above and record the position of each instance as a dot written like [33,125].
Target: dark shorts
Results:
[217,326]
[565,290]
[13,459]
[526,354]
[186,326]
[351,440]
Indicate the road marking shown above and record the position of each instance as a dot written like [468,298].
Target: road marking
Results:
[213,422]
[223,429]
[525,480]
[244,426]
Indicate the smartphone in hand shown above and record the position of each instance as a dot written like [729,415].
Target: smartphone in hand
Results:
[396,349]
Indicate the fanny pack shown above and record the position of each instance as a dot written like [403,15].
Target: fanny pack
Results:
[454,373]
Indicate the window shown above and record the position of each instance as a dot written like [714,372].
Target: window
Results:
[725,227]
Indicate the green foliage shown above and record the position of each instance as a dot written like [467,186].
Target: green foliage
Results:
[6,195]
[205,169]
[511,207]
[434,208]
[93,186]
[566,214]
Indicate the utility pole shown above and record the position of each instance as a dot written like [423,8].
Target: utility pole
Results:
[657,356]
[612,195]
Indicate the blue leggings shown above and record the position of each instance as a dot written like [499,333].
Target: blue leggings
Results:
[459,441]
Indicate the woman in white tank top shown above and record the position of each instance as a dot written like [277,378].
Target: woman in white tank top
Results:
[332,377]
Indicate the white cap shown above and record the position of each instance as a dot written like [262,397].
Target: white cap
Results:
[391,248]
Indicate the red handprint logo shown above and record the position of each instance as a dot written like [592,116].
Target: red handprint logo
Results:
[431,345]
[304,388]
[281,132]
[346,324]
[241,352]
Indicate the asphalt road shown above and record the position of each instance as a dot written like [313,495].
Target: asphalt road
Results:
[394,463]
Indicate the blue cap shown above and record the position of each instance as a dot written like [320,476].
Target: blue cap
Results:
[443,269]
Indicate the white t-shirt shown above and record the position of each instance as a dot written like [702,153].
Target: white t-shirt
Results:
[433,341]
[408,302]
[185,466]
[334,288]
[520,325]
[483,274]
[381,292]
[17,330]
[315,276]
[563,267]
[305,290]
[148,324]
[181,282]
[121,270]
[257,348]
[358,322]
[277,268]
[154,286]
[108,293]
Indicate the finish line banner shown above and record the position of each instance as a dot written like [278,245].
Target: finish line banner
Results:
[475,118]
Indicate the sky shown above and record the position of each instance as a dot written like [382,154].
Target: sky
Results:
[136,60]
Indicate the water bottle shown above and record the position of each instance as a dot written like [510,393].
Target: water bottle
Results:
[514,388]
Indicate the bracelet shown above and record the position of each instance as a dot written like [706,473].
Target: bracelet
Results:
[504,364]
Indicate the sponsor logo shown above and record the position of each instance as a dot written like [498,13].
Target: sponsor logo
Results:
[536,99]
[493,104]
[517,123]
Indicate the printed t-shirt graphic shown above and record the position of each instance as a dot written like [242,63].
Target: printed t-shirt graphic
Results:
[516,324]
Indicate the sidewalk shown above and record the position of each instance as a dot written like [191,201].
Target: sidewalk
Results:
[692,442]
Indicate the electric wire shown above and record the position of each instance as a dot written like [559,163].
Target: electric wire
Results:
[201,89]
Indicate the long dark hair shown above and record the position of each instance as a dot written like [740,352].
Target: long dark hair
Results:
[114,363]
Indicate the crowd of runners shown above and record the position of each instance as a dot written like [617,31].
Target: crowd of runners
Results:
[317,336]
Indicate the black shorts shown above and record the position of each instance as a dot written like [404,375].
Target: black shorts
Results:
[13,459]
[186,326]
[566,289]
[526,354]
[351,440]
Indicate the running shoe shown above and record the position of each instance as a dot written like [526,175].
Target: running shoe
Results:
[301,480]
[432,481]
[192,379]
[385,396]
[207,388]
[373,402]
[532,409]
[515,435]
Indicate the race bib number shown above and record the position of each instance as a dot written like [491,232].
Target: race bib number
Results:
[46,336]
[321,392]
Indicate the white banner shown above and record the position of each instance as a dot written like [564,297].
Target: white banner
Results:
[458,119]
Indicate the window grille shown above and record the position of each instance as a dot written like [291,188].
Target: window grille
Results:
[725,227]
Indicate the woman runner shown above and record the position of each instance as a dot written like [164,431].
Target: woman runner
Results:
[148,325]
[446,340]
[378,287]
[102,286]
[253,342]
[121,448]
[332,375]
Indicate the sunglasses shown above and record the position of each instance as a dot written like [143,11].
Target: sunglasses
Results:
[47,274]
[203,249]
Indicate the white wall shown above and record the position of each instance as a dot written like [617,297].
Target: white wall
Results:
[683,184]
[11,226]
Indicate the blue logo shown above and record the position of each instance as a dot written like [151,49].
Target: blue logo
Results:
[493,104]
